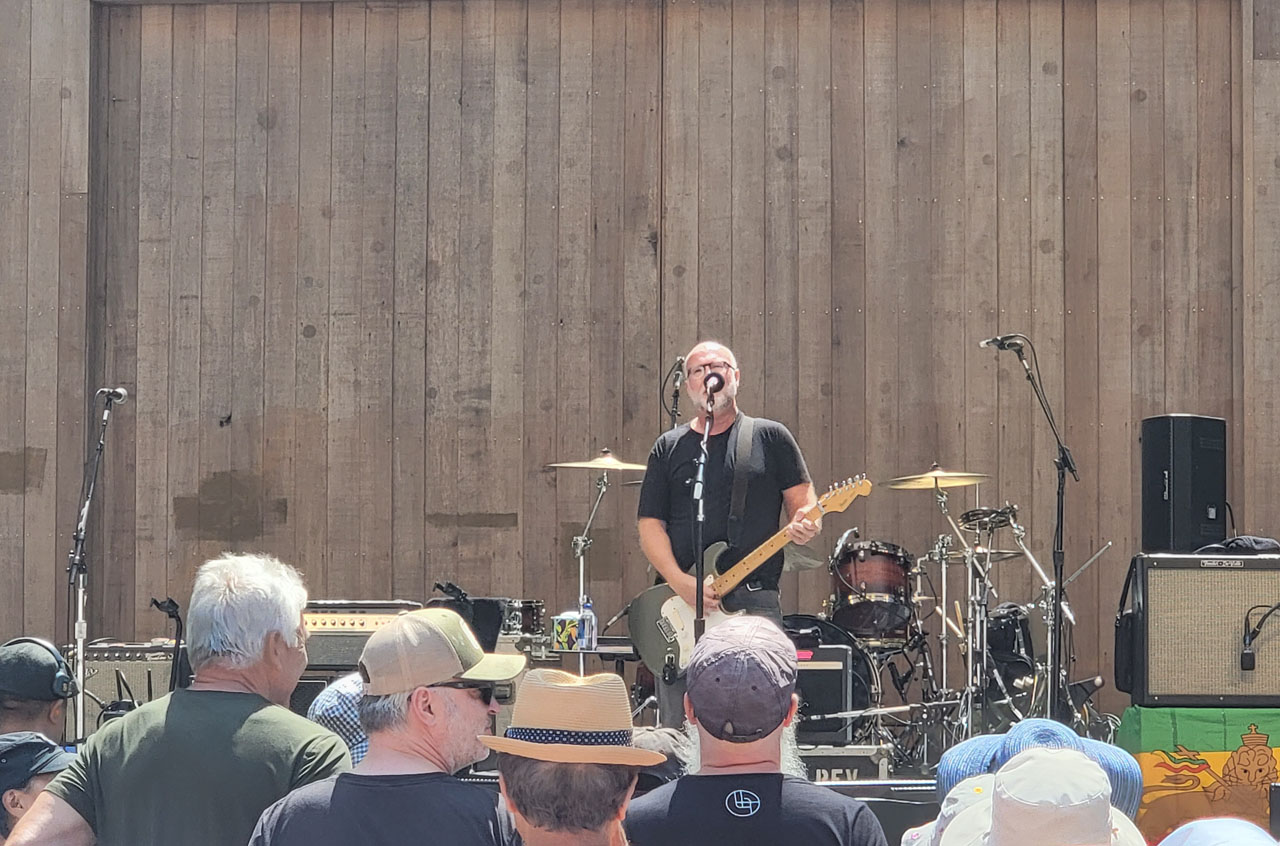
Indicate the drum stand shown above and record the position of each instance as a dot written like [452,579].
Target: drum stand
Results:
[580,544]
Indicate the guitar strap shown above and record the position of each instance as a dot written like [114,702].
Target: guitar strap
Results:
[741,458]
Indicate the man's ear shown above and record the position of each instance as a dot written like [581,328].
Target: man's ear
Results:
[688,711]
[521,822]
[11,802]
[631,791]
[791,712]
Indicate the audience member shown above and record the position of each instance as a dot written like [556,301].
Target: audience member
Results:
[35,684]
[430,693]
[987,753]
[1046,797]
[1219,831]
[967,793]
[337,708]
[568,763]
[28,762]
[199,765]
[741,697]
[672,744]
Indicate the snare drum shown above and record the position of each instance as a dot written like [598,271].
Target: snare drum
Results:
[872,591]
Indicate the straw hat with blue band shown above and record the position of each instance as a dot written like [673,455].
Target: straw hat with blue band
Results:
[571,719]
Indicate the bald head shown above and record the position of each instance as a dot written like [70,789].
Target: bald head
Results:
[715,348]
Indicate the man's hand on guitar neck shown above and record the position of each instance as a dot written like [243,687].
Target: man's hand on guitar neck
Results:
[801,530]
[687,584]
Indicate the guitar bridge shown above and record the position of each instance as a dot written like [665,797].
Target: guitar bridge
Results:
[665,629]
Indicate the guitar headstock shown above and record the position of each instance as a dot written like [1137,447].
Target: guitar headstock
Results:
[842,494]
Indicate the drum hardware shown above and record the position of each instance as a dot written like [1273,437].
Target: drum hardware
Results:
[604,462]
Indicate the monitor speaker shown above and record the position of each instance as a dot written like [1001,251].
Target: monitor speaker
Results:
[1184,482]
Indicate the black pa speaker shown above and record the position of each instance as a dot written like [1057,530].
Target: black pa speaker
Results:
[1184,482]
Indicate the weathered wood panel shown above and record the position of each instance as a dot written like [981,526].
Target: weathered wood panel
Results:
[368,268]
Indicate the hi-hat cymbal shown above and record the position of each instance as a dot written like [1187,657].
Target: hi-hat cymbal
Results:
[937,478]
[956,556]
[604,461]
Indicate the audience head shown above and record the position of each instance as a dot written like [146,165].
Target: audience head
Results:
[987,753]
[35,684]
[245,619]
[430,689]
[337,708]
[671,743]
[28,762]
[969,792]
[741,688]
[567,764]
[1050,797]
[1220,831]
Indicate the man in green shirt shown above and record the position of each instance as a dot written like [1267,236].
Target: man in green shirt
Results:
[197,767]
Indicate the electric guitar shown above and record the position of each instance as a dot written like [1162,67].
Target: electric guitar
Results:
[662,623]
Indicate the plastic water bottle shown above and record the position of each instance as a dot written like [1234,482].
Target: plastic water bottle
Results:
[587,628]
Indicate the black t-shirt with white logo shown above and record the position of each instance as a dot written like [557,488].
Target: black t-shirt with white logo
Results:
[761,809]
[775,464]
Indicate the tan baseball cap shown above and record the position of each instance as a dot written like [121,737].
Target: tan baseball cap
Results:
[428,647]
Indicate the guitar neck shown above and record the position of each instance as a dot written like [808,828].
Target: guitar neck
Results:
[736,574]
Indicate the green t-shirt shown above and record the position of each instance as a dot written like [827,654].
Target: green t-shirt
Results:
[195,768]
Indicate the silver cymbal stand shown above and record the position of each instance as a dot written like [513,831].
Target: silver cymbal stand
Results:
[580,544]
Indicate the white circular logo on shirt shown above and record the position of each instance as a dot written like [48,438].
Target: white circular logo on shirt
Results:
[742,803]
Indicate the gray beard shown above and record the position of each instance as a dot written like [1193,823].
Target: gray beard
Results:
[792,763]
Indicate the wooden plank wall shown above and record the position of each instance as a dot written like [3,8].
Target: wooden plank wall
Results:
[370,267]
[44,212]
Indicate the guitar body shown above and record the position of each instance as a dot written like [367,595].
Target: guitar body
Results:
[662,623]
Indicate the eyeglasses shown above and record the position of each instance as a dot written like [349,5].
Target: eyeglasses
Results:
[720,367]
[489,691]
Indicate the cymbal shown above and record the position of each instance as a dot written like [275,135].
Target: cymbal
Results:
[956,556]
[633,483]
[604,461]
[937,478]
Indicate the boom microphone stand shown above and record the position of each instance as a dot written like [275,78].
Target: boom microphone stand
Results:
[1063,463]
[77,573]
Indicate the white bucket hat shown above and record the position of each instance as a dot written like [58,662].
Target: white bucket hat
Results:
[1046,797]
[971,791]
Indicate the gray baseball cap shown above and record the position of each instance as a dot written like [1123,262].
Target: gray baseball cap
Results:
[740,679]
[24,754]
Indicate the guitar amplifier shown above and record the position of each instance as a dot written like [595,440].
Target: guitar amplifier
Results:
[128,671]
[1184,640]
[824,684]
[337,629]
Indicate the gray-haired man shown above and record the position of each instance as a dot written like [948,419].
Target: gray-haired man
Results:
[199,765]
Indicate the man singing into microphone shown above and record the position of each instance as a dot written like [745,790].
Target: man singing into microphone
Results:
[777,482]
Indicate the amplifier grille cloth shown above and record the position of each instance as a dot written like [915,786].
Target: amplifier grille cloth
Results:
[1195,619]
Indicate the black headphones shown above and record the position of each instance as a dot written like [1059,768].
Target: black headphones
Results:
[64,684]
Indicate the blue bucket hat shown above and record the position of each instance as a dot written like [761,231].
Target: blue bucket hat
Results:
[967,758]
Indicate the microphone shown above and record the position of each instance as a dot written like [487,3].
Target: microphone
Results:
[713,382]
[118,395]
[679,372]
[1003,342]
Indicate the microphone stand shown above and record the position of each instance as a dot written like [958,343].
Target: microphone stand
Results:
[674,413]
[1063,463]
[77,572]
[699,567]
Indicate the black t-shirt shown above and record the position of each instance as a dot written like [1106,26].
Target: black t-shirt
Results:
[775,464]
[387,811]
[763,809]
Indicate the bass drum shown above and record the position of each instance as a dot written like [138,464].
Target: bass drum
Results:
[808,633]
[872,591]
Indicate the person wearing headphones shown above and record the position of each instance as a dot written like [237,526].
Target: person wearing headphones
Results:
[35,684]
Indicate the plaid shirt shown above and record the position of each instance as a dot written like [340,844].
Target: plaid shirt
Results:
[335,709]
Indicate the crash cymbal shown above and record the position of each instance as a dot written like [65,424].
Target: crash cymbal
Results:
[956,556]
[604,461]
[937,478]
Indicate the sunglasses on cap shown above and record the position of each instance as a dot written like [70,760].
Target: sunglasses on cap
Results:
[504,693]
